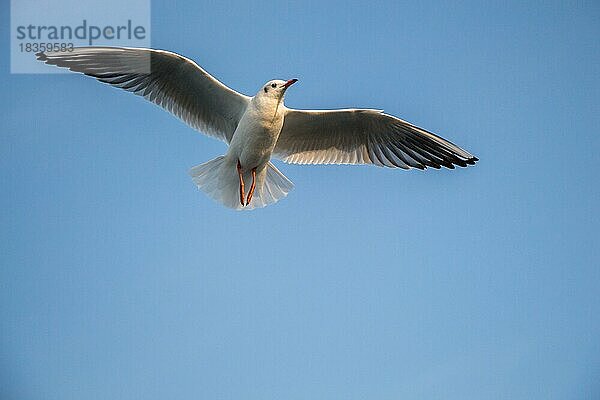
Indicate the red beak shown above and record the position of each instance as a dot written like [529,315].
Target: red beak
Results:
[290,83]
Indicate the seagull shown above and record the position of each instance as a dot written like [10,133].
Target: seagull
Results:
[260,127]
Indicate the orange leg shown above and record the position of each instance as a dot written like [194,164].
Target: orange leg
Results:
[251,192]
[239,170]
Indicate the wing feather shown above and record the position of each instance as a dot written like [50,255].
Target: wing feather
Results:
[363,136]
[167,79]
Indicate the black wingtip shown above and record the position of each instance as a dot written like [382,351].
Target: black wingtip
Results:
[463,163]
[41,56]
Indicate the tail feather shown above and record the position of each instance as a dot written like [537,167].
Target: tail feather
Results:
[219,179]
[276,184]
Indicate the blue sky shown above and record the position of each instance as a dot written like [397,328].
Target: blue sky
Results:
[119,279]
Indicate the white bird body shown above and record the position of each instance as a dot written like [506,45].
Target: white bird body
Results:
[260,127]
[256,135]
[250,149]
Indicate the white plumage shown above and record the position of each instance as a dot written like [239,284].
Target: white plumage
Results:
[257,128]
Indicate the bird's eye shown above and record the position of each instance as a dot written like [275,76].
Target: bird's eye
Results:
[273,85]
[266,89]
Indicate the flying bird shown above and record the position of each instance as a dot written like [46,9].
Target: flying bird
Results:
[259,127]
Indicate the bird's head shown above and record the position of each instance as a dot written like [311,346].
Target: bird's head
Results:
[275,88]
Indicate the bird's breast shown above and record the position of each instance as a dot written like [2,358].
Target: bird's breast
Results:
[255,137]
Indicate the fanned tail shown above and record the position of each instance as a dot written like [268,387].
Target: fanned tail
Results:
[218,178]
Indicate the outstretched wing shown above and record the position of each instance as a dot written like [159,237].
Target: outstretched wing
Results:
[361,136]
[167,79]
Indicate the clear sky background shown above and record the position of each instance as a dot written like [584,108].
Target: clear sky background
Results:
[120,280]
